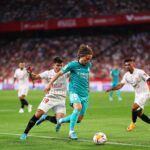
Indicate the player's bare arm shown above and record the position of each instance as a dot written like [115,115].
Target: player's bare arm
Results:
[148,79]
[15,80]
[47,89]
[119,86]
[33,76]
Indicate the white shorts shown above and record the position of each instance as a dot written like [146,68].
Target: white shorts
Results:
[141,99]
[56,104]
[23,91]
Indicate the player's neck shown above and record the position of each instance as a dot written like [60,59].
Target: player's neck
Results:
[81,62]
[131,70]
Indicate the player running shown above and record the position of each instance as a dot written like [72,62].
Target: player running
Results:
[78,87]
[22,76]
[54,99]
[137,78]
[115,74]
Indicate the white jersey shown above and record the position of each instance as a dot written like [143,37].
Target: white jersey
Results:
[59,86]
[23,77]
[138,81]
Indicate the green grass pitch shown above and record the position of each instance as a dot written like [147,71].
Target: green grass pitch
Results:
[112,118]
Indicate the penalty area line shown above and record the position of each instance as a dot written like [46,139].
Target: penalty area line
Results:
[80,140]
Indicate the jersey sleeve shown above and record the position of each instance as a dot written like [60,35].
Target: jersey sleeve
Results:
[44,75]
[144,76]
[124,80]
[68,67]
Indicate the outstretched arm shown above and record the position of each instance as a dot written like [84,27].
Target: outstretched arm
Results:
[32,75]
[60,73]
[148,79]
[119,86]
[14,80]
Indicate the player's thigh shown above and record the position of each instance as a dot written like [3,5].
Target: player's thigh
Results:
[39,113]
[46,104]
[142,99]
[60,110]
[75,100]
[22,91]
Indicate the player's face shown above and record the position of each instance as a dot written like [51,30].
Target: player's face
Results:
[57,67]
[21,65]
[116,66]
[85,59]
[129,66]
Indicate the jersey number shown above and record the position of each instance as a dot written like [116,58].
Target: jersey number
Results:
[45,100]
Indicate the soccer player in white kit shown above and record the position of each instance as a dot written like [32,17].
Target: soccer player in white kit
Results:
[54,100]
[22,76]
[137,78]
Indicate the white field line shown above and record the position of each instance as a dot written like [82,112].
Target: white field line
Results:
[8,110]
[80,140]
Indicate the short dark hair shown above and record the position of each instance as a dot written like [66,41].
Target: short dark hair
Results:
[58,59]
[128,60]
[84,50]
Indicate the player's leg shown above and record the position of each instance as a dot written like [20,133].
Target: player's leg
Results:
[111,94]
[73,119]
[43,108]
[21,110]
[22,94]
[142,100]
[60,111]
[119,95]
[75,100]
[25,102]
[135,110]
[137,107]
[67,118]
[31,123]
[81,115]
[83,110]
[46,117]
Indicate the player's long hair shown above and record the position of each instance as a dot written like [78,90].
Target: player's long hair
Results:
[84,50]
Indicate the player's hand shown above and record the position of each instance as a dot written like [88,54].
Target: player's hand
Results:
[47,89]
[107,90]
[29,69]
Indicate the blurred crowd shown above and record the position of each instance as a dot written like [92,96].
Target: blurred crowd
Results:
[108,50]
[25,10]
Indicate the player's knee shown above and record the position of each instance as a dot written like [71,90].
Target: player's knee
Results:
[39,113]
[79,121]
[138,111]
[77,106]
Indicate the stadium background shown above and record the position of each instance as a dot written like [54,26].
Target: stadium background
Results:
[35,31]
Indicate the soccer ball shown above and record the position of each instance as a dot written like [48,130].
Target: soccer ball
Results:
[99,138]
